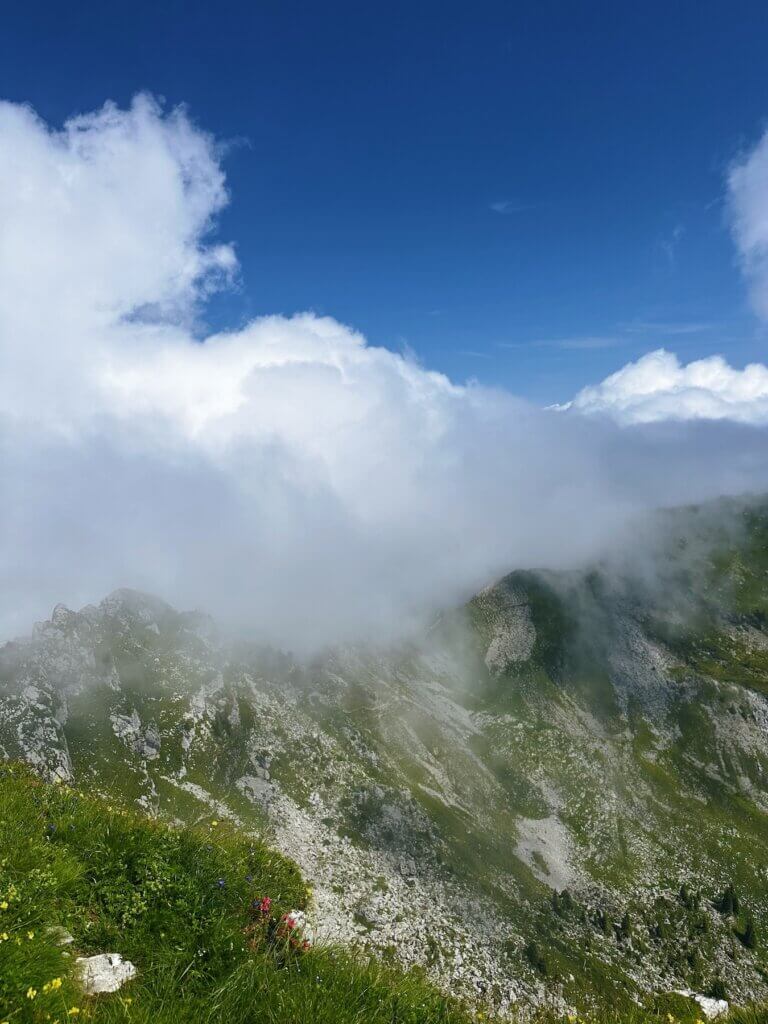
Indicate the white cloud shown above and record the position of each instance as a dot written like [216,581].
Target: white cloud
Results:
[748,204]
[507,206]
[288,475]
[659,387]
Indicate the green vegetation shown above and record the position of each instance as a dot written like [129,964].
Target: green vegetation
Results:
[179,903]
[184,905]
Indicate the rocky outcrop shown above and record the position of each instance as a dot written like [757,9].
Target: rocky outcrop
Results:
[106,972]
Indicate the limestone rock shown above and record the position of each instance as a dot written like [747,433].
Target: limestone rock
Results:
[106,972]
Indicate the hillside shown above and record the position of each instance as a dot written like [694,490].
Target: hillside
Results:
[544,800]
[186,906]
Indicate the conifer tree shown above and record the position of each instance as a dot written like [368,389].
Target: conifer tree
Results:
[728,903]
[749,935]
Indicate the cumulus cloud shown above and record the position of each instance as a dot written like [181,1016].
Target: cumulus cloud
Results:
[659,387]
[287,476]
[748,206]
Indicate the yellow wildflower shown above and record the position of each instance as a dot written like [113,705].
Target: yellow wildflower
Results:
[30,935]
[4,905]
[73,1011]
[31,992]
[214,824]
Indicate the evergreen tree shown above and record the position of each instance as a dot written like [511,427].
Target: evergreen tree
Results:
[728,903]
[690,900]
[749,935]
[536,959]
[562,903]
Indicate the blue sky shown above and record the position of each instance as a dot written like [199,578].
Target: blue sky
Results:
[528,194]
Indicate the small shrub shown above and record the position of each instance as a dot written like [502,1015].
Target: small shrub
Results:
[717,989]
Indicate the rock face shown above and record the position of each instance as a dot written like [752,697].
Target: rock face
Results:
[604,732]
[513,635]
[144,741]
[106,972]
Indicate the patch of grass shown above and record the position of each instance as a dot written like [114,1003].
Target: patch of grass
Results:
[177,903]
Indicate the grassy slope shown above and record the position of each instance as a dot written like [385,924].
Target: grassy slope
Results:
[176,902]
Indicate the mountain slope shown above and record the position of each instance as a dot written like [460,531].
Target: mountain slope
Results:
[186,907]
[544,798]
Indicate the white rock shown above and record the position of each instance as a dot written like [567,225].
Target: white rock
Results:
[60,935]
[106,972]
[711,1008]
[296,927]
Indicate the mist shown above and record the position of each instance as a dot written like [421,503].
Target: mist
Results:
[289,478]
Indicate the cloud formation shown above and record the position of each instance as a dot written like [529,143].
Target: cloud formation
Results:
[288,476]
[748,208]
[658,387]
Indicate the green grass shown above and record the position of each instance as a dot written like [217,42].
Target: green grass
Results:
[177,903]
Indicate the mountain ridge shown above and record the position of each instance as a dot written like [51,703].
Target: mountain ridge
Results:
[515,802]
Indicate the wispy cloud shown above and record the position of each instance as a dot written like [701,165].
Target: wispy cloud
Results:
[578,342]
[588,342]
[616,337]
[507,206]
[666,327]
[748,212]
[670,243]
